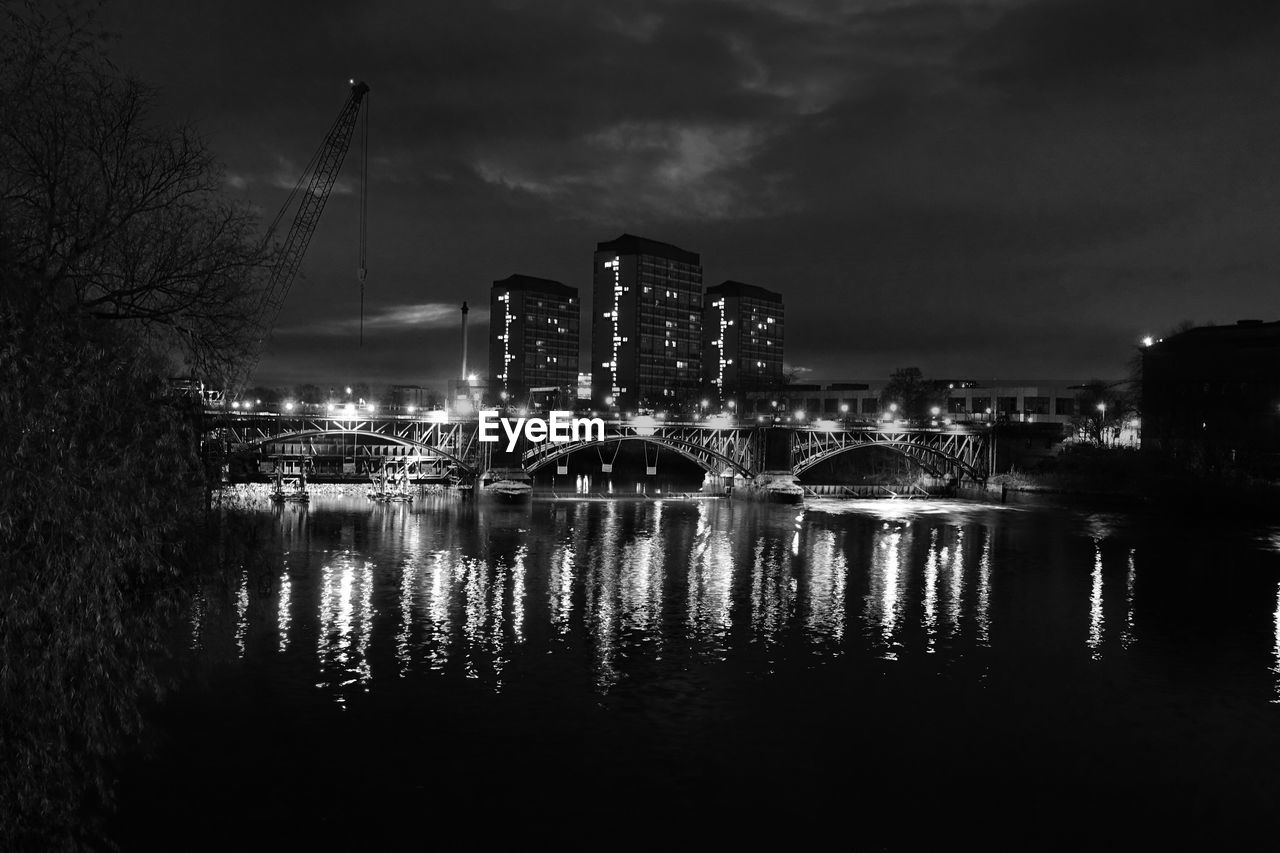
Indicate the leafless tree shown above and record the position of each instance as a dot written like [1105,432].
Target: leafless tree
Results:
[107,212]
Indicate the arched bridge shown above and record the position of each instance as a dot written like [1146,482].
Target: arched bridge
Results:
[722,450]
[452,447]
[448,447]
[938,451]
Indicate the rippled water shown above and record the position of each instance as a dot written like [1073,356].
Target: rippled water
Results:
[902,672]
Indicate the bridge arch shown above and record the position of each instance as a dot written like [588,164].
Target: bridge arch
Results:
[700,455]
[388,439]
[934,460]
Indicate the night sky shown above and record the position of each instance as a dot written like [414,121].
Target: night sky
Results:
[1012,188]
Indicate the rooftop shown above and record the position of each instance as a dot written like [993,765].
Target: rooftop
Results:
[630,244]
[738,288]
[1242,333]
[533,283]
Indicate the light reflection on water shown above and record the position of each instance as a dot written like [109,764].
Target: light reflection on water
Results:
[623,589]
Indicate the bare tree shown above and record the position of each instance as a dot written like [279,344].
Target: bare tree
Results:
[1101,408]
[105,212]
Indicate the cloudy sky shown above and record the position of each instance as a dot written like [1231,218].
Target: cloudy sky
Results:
[980,188]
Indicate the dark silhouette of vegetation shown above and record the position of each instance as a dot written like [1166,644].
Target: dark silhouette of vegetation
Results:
[118,260]
[109,213]
[913,395]
[1101,410]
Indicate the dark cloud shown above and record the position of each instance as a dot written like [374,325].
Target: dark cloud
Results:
[974,186]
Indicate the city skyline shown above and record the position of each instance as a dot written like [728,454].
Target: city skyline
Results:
[1039,183]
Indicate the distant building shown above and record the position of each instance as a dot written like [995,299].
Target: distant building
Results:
[959,401]
[646,324]
[742,334]
[533,341]
[1211,396]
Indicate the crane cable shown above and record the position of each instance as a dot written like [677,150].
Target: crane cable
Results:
[364,209]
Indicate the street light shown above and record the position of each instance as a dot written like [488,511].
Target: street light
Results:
[1148,341]
[935,411]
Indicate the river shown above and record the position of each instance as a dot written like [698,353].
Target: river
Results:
[644,673]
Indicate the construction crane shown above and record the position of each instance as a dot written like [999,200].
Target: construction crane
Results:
[310,194]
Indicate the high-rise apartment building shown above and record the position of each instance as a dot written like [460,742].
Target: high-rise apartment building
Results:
[742,333]
[533,339]
[646,324]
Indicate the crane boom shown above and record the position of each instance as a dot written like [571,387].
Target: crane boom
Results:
[314,186]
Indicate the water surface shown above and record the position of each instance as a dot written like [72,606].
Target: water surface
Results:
[630,673]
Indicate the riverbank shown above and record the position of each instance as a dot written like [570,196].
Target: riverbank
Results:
[1133,478]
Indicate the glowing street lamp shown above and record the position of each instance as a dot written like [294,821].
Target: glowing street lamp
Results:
[935,411]
[1148,341]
